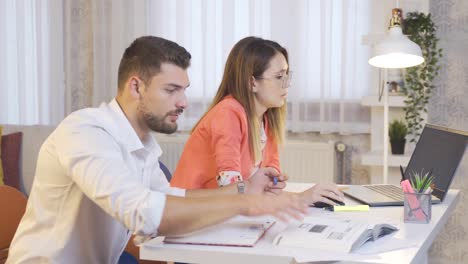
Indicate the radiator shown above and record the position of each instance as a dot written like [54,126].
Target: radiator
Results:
[302,161]
[306,161]
[172,147]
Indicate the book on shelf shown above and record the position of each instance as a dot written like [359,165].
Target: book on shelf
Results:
[239,231]
[339,235]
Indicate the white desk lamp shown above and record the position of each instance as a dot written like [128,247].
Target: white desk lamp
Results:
[394,51]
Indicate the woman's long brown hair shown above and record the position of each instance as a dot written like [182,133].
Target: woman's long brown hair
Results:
[251,57]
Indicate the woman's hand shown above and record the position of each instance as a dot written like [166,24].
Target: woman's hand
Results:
[263,181]
[322,193]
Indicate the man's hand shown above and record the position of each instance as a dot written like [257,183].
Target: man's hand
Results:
[281,206]
[322,193]
[183,214]
[262,181]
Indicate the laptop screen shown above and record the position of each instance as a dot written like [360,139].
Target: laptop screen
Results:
[439,149]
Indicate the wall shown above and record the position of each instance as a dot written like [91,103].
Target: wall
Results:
[449,107]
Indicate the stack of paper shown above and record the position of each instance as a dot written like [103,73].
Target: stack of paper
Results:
[238,231]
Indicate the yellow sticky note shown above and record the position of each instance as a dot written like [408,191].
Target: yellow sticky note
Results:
[351,208]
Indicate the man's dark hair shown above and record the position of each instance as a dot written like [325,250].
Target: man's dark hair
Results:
[145,56]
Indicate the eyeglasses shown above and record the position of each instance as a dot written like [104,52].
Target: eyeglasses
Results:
[285,79]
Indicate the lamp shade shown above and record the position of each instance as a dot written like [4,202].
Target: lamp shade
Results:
[396,51]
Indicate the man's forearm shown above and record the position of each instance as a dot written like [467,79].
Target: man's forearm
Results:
[260,182]
[226,190]
[186,215]
[183,215]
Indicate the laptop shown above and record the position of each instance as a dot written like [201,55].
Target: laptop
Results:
[439,149]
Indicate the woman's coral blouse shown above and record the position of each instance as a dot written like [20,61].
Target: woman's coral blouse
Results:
[220,143]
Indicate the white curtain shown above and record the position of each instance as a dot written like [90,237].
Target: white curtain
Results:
[329,63]
[96,35]
[208,30]
[31,70]
[323,38]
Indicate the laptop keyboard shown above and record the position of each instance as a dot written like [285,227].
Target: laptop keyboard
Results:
[391,191]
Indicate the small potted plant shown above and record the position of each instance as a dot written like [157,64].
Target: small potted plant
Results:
[397,133]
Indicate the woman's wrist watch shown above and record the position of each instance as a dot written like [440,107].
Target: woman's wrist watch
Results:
[241,187]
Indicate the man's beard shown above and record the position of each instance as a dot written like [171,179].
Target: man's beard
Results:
[156,122]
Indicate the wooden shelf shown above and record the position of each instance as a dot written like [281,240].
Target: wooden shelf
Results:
[375,158]
[393,101]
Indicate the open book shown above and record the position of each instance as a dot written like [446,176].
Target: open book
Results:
[340,235]
[238,231]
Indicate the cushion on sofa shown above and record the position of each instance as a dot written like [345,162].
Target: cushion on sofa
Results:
[1,165]
[11,153]
[32,139]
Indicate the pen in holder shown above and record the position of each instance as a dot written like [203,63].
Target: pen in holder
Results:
[418,207]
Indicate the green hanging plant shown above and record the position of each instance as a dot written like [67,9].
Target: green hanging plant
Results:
[418,80]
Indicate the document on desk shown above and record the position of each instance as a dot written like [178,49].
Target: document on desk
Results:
[238,231]
[335,235]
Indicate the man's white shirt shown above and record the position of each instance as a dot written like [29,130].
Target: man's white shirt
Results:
[95,180]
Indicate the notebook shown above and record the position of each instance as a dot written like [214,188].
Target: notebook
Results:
[439,149]
[335,235]
[239,231]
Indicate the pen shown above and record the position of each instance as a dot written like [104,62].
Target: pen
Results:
[402,174]
[275,180]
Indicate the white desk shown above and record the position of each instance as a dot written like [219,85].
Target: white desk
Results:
[418,238]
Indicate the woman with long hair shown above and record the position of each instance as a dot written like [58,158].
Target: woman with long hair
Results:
[238,137]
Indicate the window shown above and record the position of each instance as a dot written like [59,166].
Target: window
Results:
[323,38]
[31,72]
